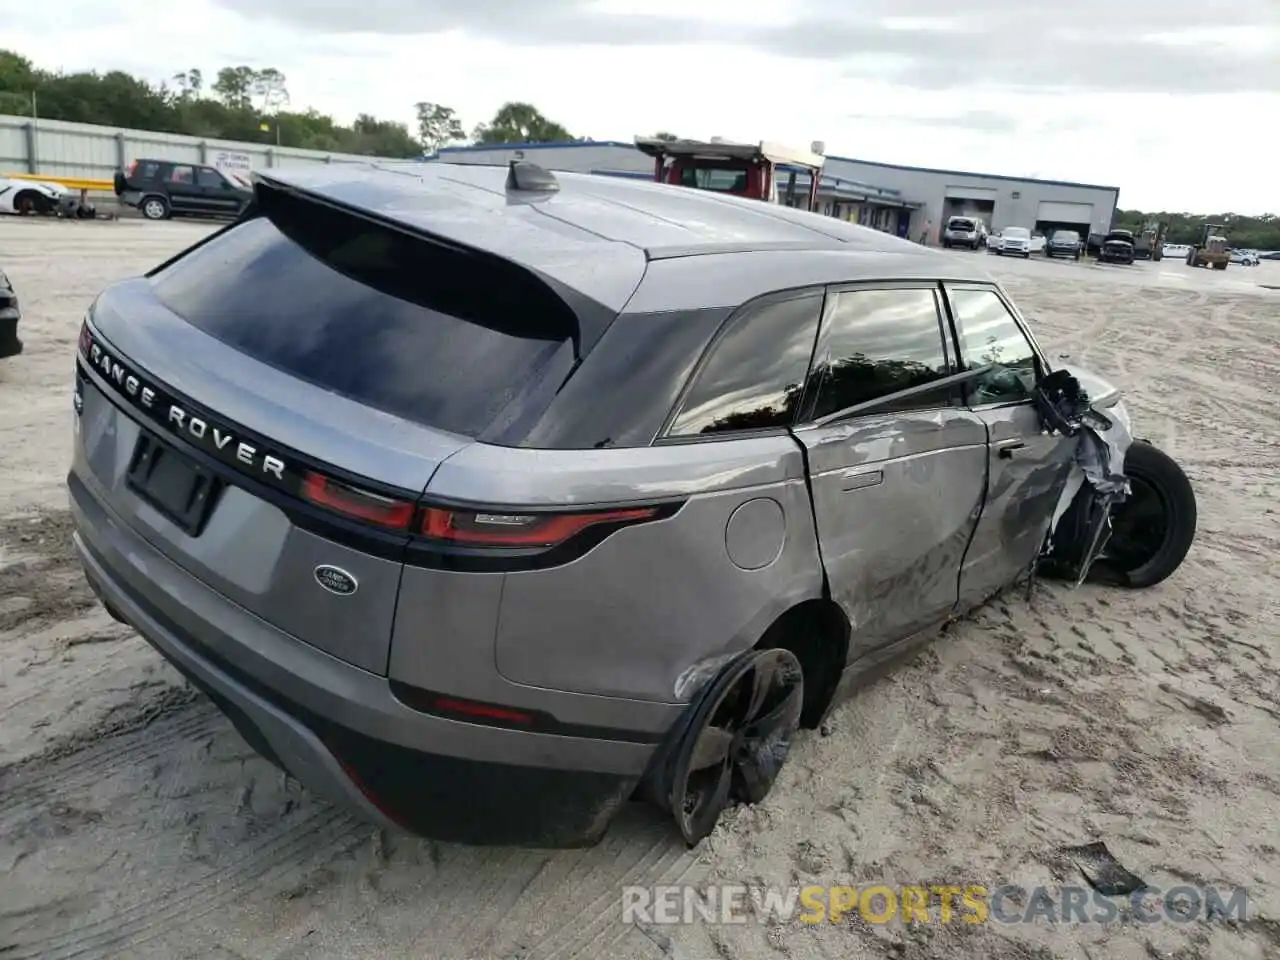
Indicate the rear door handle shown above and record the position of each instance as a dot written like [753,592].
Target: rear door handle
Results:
[861,479]
[1005,448]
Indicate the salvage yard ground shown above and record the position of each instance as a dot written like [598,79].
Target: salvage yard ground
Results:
[135,822]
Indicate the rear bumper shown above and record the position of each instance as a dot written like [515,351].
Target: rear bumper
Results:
[339,730]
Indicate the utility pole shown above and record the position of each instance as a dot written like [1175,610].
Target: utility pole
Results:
[33,148]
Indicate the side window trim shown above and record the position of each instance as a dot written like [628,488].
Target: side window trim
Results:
[741,312]
[956,338]
[809,401]
[873,407]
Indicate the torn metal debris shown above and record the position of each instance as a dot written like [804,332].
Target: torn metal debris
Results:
[1096,482]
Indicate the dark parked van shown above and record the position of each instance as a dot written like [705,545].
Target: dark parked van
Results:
[160,189]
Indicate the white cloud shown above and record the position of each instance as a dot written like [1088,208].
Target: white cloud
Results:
[725,72]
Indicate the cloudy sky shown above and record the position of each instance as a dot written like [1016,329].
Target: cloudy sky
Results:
[1136,93]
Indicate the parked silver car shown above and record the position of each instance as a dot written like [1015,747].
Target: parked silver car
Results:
[483,505]
[1015,241]
[968,232]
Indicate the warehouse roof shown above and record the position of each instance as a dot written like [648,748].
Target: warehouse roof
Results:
[576,144]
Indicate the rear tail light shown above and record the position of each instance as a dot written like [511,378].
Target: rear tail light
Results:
[462,528]
[471,528]
[357,504]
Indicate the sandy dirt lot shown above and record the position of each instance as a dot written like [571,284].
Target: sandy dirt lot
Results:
[135,822]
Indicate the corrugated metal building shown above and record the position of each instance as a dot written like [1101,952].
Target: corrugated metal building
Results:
[894,198]
[1002,201]
[86,151]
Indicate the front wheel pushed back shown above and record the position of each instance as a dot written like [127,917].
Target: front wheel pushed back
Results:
[1148,533]
[1154,527]
[736,740]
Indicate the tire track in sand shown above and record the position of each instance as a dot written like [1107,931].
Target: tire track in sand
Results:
[150,823]
[150,784]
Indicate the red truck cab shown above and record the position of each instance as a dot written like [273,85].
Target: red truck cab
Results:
[741,169]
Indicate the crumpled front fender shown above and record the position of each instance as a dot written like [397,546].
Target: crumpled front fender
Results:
[1092,412]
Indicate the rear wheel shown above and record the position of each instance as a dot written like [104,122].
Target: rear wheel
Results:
[1152,529]
[737,740]
[30,202]
[154,208]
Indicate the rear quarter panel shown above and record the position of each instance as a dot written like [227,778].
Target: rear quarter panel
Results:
[635,613]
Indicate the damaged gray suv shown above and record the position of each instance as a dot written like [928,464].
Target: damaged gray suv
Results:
[484,500]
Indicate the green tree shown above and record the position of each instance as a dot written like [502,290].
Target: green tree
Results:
[234,87]
[520,123]
[383,138]
[1256,232]
[17,75]
[232,107]
[190,84]
[15,104]
[269,90]
[437,126]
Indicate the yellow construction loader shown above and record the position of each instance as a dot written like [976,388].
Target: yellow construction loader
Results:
[1210,250]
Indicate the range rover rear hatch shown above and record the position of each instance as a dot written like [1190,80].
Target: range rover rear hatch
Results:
[267,407]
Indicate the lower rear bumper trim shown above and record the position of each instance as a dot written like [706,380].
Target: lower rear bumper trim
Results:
[451,799]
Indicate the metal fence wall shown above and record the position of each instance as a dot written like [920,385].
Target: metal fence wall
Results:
[89,152]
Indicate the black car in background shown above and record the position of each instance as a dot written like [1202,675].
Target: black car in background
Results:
[160,189]
[10,345]
[1117,247]
[1064,243]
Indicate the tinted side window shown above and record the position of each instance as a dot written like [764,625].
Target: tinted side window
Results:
[754,376]
[990,336]
[146,170]
[180,174]
[879,342]
[208,177]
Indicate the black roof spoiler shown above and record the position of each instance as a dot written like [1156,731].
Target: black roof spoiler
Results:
[519,297]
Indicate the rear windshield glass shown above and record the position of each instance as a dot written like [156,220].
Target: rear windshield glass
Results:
[719,179]
[369,313]
[961,224]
